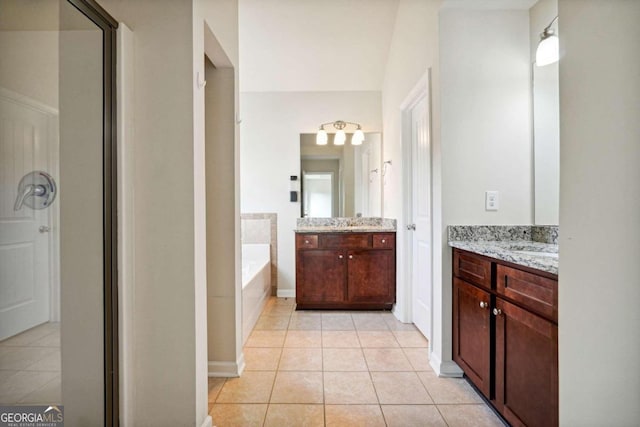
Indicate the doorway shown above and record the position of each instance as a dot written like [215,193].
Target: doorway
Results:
[416,141]
[58,272]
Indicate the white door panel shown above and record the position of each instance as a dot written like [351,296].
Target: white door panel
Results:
[421,217]
[24,251]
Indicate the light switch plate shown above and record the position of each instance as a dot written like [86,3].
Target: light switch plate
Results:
[491,202]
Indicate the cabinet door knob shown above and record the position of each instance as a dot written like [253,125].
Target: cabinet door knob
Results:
[350,256]
[484,304]
[497,312]
[340,256]
[306,242]
[384,241]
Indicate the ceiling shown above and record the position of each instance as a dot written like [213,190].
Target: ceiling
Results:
[314,45]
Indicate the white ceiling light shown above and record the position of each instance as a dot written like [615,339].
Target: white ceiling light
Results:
[340,136]
[321,136]
[358,137]
[548,50]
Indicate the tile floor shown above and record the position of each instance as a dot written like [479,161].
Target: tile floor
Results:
[312,368]
[30,367]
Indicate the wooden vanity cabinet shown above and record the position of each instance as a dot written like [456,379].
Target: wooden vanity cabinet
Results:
[505,336]
[345,270]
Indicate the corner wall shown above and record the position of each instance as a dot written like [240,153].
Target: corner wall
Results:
[599,288]
[270,152]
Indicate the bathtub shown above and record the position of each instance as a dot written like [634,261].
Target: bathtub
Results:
[256,284]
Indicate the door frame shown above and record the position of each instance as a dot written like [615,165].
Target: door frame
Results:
[92,10]
[421,90]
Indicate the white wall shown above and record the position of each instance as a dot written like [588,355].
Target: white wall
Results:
[599,286]
[270,152]
[30,64]
[164,294]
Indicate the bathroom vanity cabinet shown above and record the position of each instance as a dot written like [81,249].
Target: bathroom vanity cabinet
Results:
[505,336]
[347,270]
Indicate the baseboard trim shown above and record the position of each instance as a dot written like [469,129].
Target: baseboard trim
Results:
[226,369]
[286,293]
[208,422]
[449,369]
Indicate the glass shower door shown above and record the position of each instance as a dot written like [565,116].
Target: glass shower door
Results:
[56,222]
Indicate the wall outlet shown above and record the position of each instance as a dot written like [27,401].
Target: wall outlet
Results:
[491,201]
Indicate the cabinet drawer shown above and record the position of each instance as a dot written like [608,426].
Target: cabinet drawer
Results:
[537,293]
[345,241]
[306,241]
[382,241]
[472,268]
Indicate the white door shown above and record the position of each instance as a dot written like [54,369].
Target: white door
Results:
[421,217]
[24,246]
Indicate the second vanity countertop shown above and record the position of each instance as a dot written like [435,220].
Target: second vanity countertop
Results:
[505,243]
[541,256]
[354,229]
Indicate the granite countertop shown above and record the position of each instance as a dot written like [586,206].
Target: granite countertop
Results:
[345,225]
[347,229]
[506,243]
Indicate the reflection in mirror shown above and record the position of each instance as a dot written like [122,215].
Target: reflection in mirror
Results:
[341,181]
[546,131]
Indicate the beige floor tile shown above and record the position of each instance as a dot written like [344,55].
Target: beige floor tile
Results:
[469,416]
[272,323]
[337,322]
[340,339]
[348,388]
[386,359]
[369,322]
[411,339]
[51,340]
[266,339]
[401,388]
[377,339]
[354,416]
[448,390]
[215,385]
[412,416]
[17,358]
[305,322]
[278,310]
[22,383]
[419,358]
[298,415]
[343,359]
[251,387]
[31,335]
[233,415]
[50,362]
[303,339]
[297,387]
[261,358]
[48,394]
[301,359]
[396,325]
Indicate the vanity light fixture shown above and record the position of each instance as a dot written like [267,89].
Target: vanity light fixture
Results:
[548,50]
[340,137]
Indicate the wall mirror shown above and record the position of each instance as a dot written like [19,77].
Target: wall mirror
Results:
[341,180]
[546,144]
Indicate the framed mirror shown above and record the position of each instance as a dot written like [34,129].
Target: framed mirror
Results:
[341,180]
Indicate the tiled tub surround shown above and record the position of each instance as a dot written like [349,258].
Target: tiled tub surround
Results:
[520,245]
[344,225]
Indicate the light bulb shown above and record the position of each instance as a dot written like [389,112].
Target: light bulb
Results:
[358,137]
[548,50]
[322,137]
[340,138]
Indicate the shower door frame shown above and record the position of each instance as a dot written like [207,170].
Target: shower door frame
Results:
[92,10]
